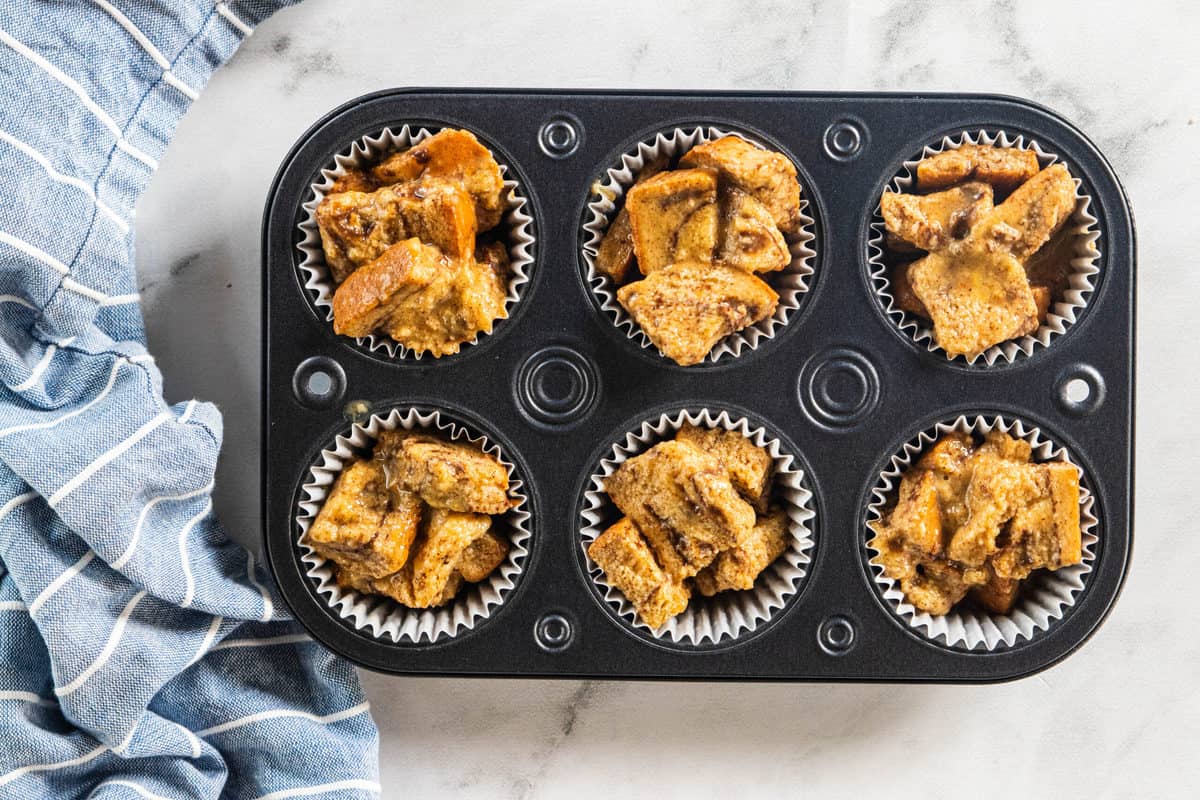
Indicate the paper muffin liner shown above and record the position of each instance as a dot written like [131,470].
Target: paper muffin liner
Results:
[727,615]
[1063,312]
[1044,597]
[516,227]
[380,616]
[790,283]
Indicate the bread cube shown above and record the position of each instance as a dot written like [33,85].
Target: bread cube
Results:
[935,586]
[464,300]
[673,217]
[364,525]
[932,221]
[917,517]
[628,564]
[683,503]
[615,254]
[768,176]
[686,308]
[1005,168]
[749,236]
[357,227]
[375,292]
[748,465]
[456,546]
[456,476]
[999,488]
[997,595]
[1045,533]
[976,298]
[738,567]
[457,156]
[1024,222]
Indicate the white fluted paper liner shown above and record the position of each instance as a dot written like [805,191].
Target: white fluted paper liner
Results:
[1045,596]
[1064,311]
[790,283]
[381,616]
[727,615]
[516,225]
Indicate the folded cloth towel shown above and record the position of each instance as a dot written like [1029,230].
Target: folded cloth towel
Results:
[142,654]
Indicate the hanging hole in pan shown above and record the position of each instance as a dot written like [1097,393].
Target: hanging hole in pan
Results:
[1080,390]
[319,382]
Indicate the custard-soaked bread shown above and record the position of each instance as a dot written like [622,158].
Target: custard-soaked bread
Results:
[376,291]
[1044,533]
[422,299]
[453,547]
[457,156]
[1003,167]
[481,557]
[673,217]
[452,475]
[457,546]
[683,503]
[749,237]
[463,300]
[353,180]
[357,227]
[1003,517]
[748,465]
[494,256]
[998,489]
[916,521]
[1050,267]
[628,564]
[998,594]
[614,258]
[401,586]
[935,586]
[932,221]
[902,291]
[768,176]
[1031,214]
[363,525]
[615,255]
[688,307]
[976,298]
[738,567]
[397,585]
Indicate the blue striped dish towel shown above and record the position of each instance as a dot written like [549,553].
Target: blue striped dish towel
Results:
[142,654]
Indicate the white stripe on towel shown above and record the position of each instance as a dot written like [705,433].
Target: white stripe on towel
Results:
[67,179]
[110,647]
[113,454]
[149,47]
[88,102]
[61,581]
[278,713]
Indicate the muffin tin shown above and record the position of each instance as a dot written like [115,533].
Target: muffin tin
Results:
[557,385]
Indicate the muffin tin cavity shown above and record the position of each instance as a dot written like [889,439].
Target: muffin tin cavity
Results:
[603,203]
[1065,309]
[516,231]
[380,616]
[727,616]
[837,385]
[1045,597]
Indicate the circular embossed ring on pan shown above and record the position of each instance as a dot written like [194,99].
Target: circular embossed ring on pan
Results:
[557,386]
[839,388]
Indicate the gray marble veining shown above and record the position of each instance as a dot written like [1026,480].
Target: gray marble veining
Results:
[1119,719]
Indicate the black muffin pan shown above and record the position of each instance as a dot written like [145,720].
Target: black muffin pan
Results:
[557,384]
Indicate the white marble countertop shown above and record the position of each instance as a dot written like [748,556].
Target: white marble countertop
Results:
[1118,719]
